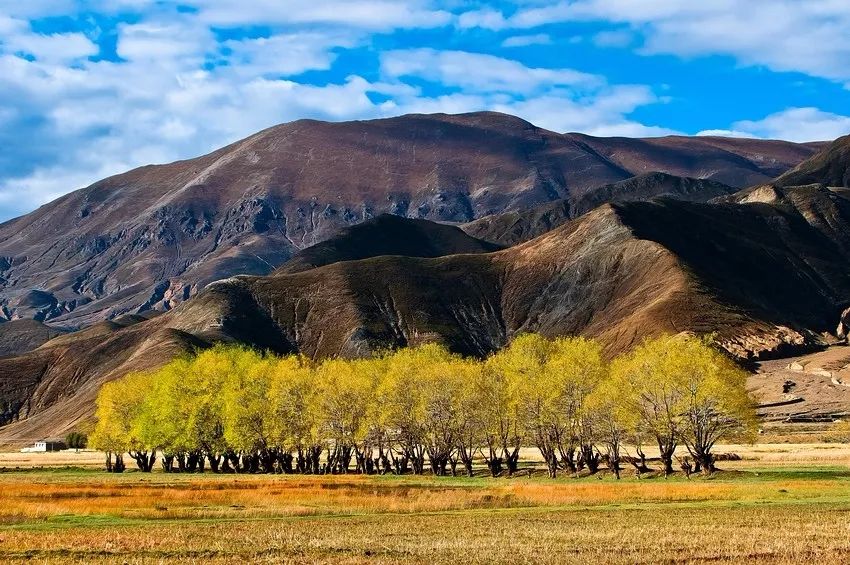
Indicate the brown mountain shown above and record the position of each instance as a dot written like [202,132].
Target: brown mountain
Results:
[387,235]
[830,167]
[510,228]
[154,236]
[767,276]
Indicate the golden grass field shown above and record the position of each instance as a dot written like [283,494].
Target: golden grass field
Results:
[783,503]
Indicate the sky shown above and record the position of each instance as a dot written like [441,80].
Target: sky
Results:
[92,88]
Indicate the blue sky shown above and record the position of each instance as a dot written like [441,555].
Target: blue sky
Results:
[92,88]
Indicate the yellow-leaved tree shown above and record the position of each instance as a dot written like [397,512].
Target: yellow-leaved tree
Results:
[249,425]
[119,406]
[346,388]
[577,366]
[682,389]
[296,414]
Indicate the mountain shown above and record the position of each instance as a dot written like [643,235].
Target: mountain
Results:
[830,167]
[154,236]
[387,235]
[768,276]
[510,228]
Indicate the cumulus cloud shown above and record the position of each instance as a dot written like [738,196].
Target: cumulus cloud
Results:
[285,53]
[809,37]
[17,37]
[613,38]
[556,99]
[796,124]
[487,18]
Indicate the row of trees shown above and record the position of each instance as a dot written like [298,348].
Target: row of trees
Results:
[233,409]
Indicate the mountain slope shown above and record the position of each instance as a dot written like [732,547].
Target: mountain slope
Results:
[767,277]
[511,228]
[830,167]
[20,336]
[387,235]
[154,236]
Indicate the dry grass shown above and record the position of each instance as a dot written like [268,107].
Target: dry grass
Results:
[756,511]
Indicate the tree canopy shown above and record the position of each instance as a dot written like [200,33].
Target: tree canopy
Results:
[426,409]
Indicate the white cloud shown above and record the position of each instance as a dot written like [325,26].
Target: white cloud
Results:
[614,38]
[477,71]
[165,42]
[784,35]
[526,40]
[556,99]
[725,133]
[284,54]
[363,14]
[17,37]
[797,124]
[602,115]
[486,18]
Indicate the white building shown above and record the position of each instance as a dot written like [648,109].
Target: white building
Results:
[44,446]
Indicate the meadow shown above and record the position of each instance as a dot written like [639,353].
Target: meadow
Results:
[781,503]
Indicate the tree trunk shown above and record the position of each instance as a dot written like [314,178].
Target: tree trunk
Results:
[667,462]
[590,458]
[215,461]
[705,462]
[118,466]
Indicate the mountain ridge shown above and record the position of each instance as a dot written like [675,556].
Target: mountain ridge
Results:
[157,235]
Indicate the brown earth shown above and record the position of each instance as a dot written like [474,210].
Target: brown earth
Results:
[808,388]
[154,236]
[20,336]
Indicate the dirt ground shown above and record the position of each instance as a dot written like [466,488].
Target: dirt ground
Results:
[806,389]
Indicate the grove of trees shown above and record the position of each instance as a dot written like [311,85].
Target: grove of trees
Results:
[424,409]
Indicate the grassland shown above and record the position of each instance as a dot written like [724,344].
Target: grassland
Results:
[780,504]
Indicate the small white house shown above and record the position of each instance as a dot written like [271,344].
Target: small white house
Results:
[44,447]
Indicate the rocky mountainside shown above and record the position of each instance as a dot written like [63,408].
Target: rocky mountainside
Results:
[387,235]
[510,228]
[768,275]
[830,167]
[155,236]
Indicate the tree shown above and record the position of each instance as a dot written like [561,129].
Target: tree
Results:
[410,395]
[504,421]
[76,440]
[345,391]
[684,390]
[294,401]
[472,414]
[577,367]
[190,409]
[714,404]
[537,391]
[607,405]
[442,382]
[248,418]
[119,405]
